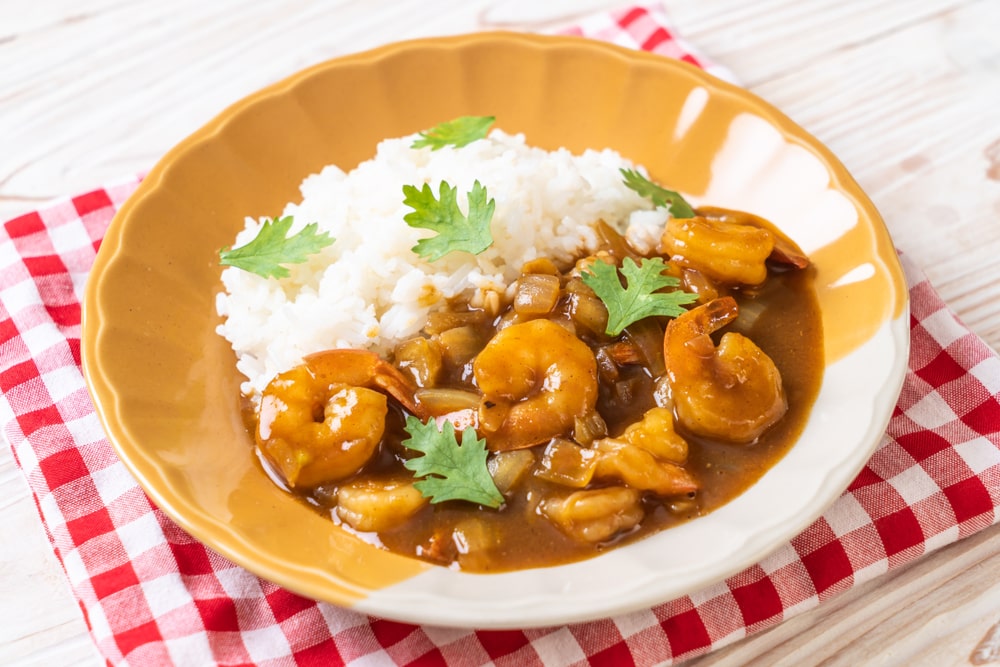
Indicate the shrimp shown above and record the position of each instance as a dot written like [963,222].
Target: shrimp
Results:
[322,421]
[648,456]
[370,504]
[732,392]
[655,433]
[729,254]
[639,469]
[729,247]
[595,515]
[361,368]
[785,252]
[536,378]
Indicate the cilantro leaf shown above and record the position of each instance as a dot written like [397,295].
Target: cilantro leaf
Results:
[266,254]
[459,132]
[450,471]
[659,196]
[455,230]
[640,298]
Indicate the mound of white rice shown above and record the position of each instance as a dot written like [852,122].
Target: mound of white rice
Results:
[369,290]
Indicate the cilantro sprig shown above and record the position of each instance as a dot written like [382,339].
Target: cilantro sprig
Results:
[640,297]
[271,249]
[455,230]
[458,132]
[450,471]
[660,196]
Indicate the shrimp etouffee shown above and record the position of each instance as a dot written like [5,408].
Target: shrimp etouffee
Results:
[592,439]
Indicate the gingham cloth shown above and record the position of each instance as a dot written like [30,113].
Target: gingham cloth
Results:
[152,595]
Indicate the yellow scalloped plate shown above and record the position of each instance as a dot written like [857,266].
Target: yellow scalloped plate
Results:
[166,388]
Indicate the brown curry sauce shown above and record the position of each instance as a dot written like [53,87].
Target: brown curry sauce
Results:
[786,326]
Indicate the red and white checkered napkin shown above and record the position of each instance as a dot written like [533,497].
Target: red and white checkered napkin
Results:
[153,595]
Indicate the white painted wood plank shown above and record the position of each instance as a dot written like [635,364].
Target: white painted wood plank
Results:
[40,622]
[20,18]
[763,39]
[933,612]
[917,134]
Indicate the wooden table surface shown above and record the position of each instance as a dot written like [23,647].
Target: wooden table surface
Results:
[905,92]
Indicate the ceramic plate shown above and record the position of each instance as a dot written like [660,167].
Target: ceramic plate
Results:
[167,391]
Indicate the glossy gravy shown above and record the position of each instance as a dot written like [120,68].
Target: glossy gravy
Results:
[781,316]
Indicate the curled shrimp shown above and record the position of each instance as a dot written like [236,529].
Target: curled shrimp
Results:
[730,247]
[731,392]
[372,504]
[729,254]
[536,378]
[322,421]
[595,515]
[785,252]
[638,469]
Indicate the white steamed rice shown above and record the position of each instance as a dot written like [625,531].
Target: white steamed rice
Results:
[369,290]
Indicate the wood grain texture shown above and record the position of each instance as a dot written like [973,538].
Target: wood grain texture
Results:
[905,92]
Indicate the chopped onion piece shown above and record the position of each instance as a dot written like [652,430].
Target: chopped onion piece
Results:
[536,294]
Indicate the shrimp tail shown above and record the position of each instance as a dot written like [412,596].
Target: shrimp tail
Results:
[362,368]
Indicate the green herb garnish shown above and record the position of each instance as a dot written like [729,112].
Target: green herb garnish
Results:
[459,132]
[450,471]
[640,298]
[455,231]
[658,195]
[267,254]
